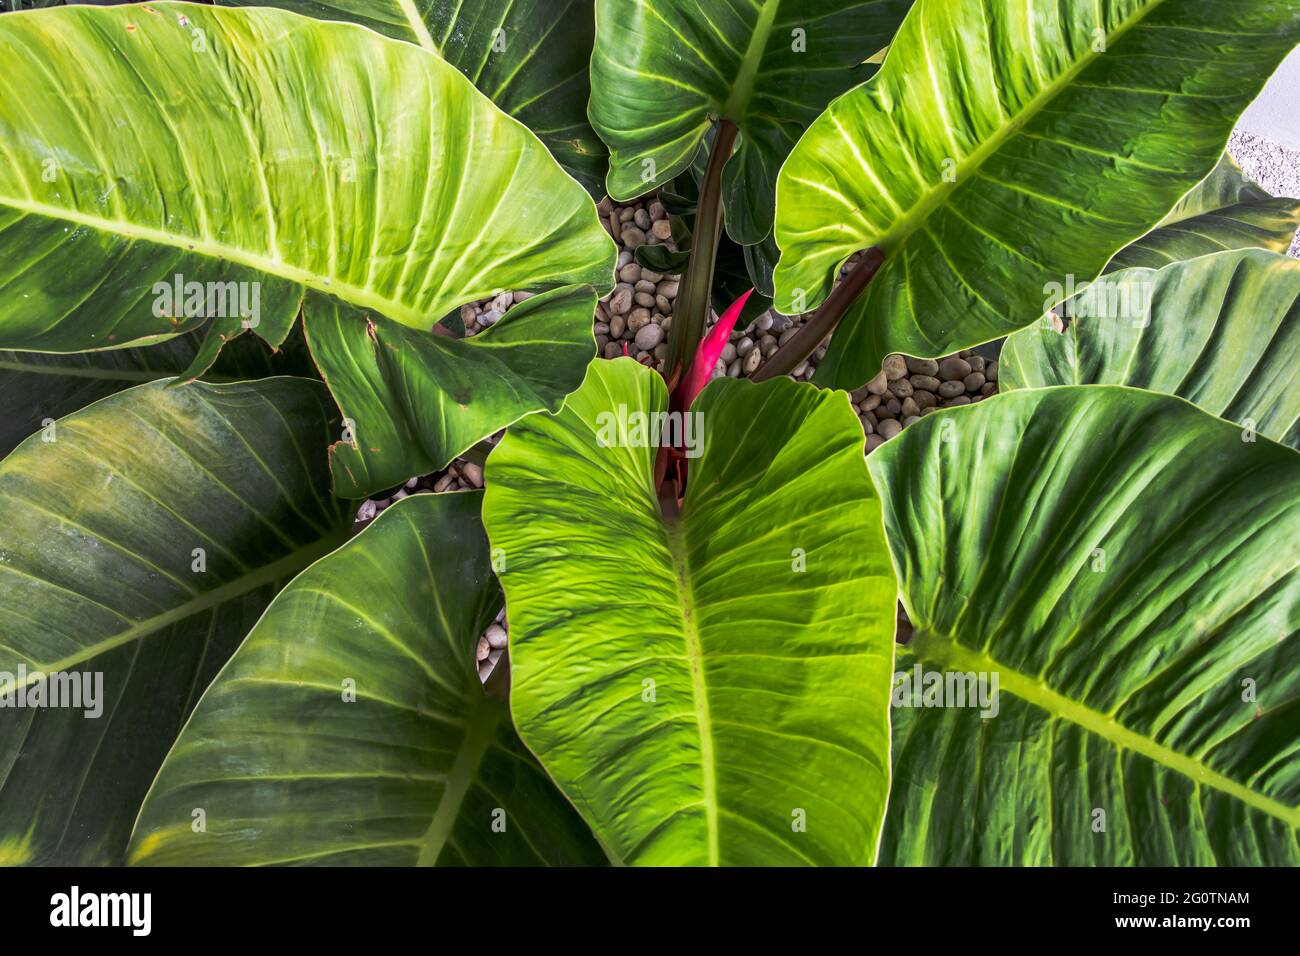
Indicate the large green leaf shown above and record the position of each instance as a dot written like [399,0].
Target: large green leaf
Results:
[142,537]
[145,142]
[1126,565]
[420,765]
[999,151]
[710,690]
[36,387]
[1225,211]
[1221,331]
[664,70]
[529,56]
[423,398]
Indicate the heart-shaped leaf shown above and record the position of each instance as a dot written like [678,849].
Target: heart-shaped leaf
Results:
[213,143]
[1225,211]
[529,56]
[1004,147]
[1126,567]
[708,689]
[371,741]
[143,536]
[1221,331]
[664,70]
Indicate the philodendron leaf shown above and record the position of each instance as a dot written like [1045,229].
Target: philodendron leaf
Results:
[529,56]
[1225,211]
[418,395]
[189,140]
[1221,331]
[664,70]
[710,690]
[36,387]
[371,741]
[1125,566]
[143,536]
[1004,147]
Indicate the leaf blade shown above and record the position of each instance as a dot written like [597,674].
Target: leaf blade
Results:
[701,771]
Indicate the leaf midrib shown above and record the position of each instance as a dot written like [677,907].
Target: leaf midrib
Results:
[742,90]
[676,541]
[289,564]
[364,297]
[418,27]
[945,652]
[480,729]
[920,212]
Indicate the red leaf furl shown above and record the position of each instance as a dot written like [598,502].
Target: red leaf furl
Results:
[706,356]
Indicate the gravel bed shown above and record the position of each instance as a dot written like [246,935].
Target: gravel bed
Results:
[1275,167]
[907,389]
[460,475]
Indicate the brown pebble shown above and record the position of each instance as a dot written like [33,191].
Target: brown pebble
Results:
[974,381]
[951,389]
[927,382]
[919,366]
[953,368]
[878,385]
[900,387]
[894,367]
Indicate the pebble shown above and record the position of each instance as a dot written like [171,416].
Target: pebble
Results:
[901,387]
[953,368]
[621,301]
[495,636]
[648,337]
